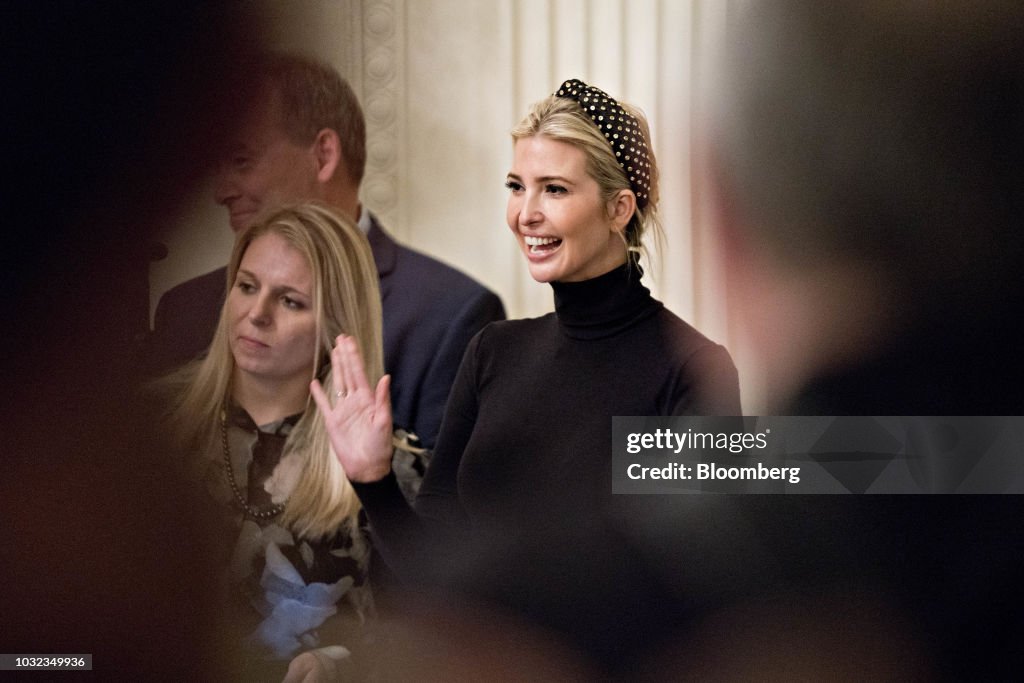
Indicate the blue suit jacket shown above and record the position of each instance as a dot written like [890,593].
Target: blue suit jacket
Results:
[431,311]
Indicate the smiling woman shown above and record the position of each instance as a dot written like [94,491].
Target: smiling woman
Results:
[519,488]
[566,229]
[284,519]
[582,145]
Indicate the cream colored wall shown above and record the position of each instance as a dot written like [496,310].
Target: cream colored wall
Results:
[443,81]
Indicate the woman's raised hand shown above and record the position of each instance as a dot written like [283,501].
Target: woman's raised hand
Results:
[359,422]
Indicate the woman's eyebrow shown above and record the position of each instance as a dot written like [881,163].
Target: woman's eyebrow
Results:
[543,179]
[280,289]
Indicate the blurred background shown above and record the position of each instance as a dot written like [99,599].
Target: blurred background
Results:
[112,110]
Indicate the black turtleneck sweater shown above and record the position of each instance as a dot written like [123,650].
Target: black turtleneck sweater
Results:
[527,433]
[516,507]
[530,415]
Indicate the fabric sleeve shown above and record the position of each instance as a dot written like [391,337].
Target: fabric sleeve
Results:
[438,497]
[709,384]
[185,320]
[414,542]
[478,310]
[156,353]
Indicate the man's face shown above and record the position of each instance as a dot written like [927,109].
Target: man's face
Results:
[261,168]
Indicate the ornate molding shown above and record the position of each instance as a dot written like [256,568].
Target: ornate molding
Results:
[381,80]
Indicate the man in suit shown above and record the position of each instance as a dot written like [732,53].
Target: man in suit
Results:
[302,137]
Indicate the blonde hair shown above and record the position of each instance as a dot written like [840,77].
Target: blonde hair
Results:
[346,299]
[562,119]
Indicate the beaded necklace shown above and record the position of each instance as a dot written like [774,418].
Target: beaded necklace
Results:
[269,513]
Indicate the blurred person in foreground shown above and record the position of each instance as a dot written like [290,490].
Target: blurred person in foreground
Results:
[128,95]
[864,162]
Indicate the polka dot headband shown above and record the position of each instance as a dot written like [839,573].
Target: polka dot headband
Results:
[620,129]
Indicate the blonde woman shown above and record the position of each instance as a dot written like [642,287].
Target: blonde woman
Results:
[287,518]
[529,417]
[519,487]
